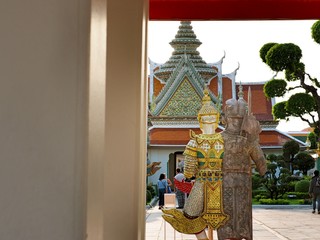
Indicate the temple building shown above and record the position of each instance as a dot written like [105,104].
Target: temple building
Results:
[175,93]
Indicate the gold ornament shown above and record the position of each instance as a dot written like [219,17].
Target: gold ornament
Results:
[183,224]
[203,159]
[206,160]
[208,109]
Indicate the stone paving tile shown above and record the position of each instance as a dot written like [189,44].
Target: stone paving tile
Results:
[292,224]
[268,224]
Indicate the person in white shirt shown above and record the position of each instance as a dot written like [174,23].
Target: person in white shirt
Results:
[179,194]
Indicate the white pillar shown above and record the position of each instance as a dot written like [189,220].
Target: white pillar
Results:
[126,120]
[117,171]
[97,95]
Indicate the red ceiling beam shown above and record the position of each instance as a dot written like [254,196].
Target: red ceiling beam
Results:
[233,9]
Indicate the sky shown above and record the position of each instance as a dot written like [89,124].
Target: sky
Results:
[241,42]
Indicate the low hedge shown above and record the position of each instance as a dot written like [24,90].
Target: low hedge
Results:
[305,201]
[259,193]
[274,202]
[298,195]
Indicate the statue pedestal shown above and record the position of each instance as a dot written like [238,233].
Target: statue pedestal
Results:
[169,200]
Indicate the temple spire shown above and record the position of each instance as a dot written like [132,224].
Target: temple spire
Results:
[185,40]
[185,45]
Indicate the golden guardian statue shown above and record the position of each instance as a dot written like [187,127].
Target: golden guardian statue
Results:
[203,160]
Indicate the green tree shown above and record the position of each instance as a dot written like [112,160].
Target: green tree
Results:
[303,161]
[286,57]
[290,149]
[277,179]
[313,140]
[256,181]
[302,186]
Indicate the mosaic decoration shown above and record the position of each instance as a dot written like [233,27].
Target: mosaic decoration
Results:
[184,101]
[185,62]
[207,189]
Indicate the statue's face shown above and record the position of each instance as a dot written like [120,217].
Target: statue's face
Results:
[231,108]
[234,124]
[208,124]
[236,108]
[209,119]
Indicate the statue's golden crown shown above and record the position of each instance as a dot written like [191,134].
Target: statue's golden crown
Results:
[207,106]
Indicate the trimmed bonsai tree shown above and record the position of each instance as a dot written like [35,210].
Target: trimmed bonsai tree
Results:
[286,58]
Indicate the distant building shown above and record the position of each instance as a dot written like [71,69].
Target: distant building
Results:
[175,93]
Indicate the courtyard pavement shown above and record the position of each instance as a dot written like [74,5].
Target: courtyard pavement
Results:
[269,223]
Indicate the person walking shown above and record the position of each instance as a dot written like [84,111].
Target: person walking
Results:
[314,191]
[179,194]
[163,186]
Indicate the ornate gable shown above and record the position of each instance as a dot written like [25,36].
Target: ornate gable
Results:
[185,69]
[185,63]
[185,101]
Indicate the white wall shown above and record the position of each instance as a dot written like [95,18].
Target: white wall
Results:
[43,118]
[161,155]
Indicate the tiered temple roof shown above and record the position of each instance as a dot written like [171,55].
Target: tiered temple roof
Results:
[185,45]
[176,89]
